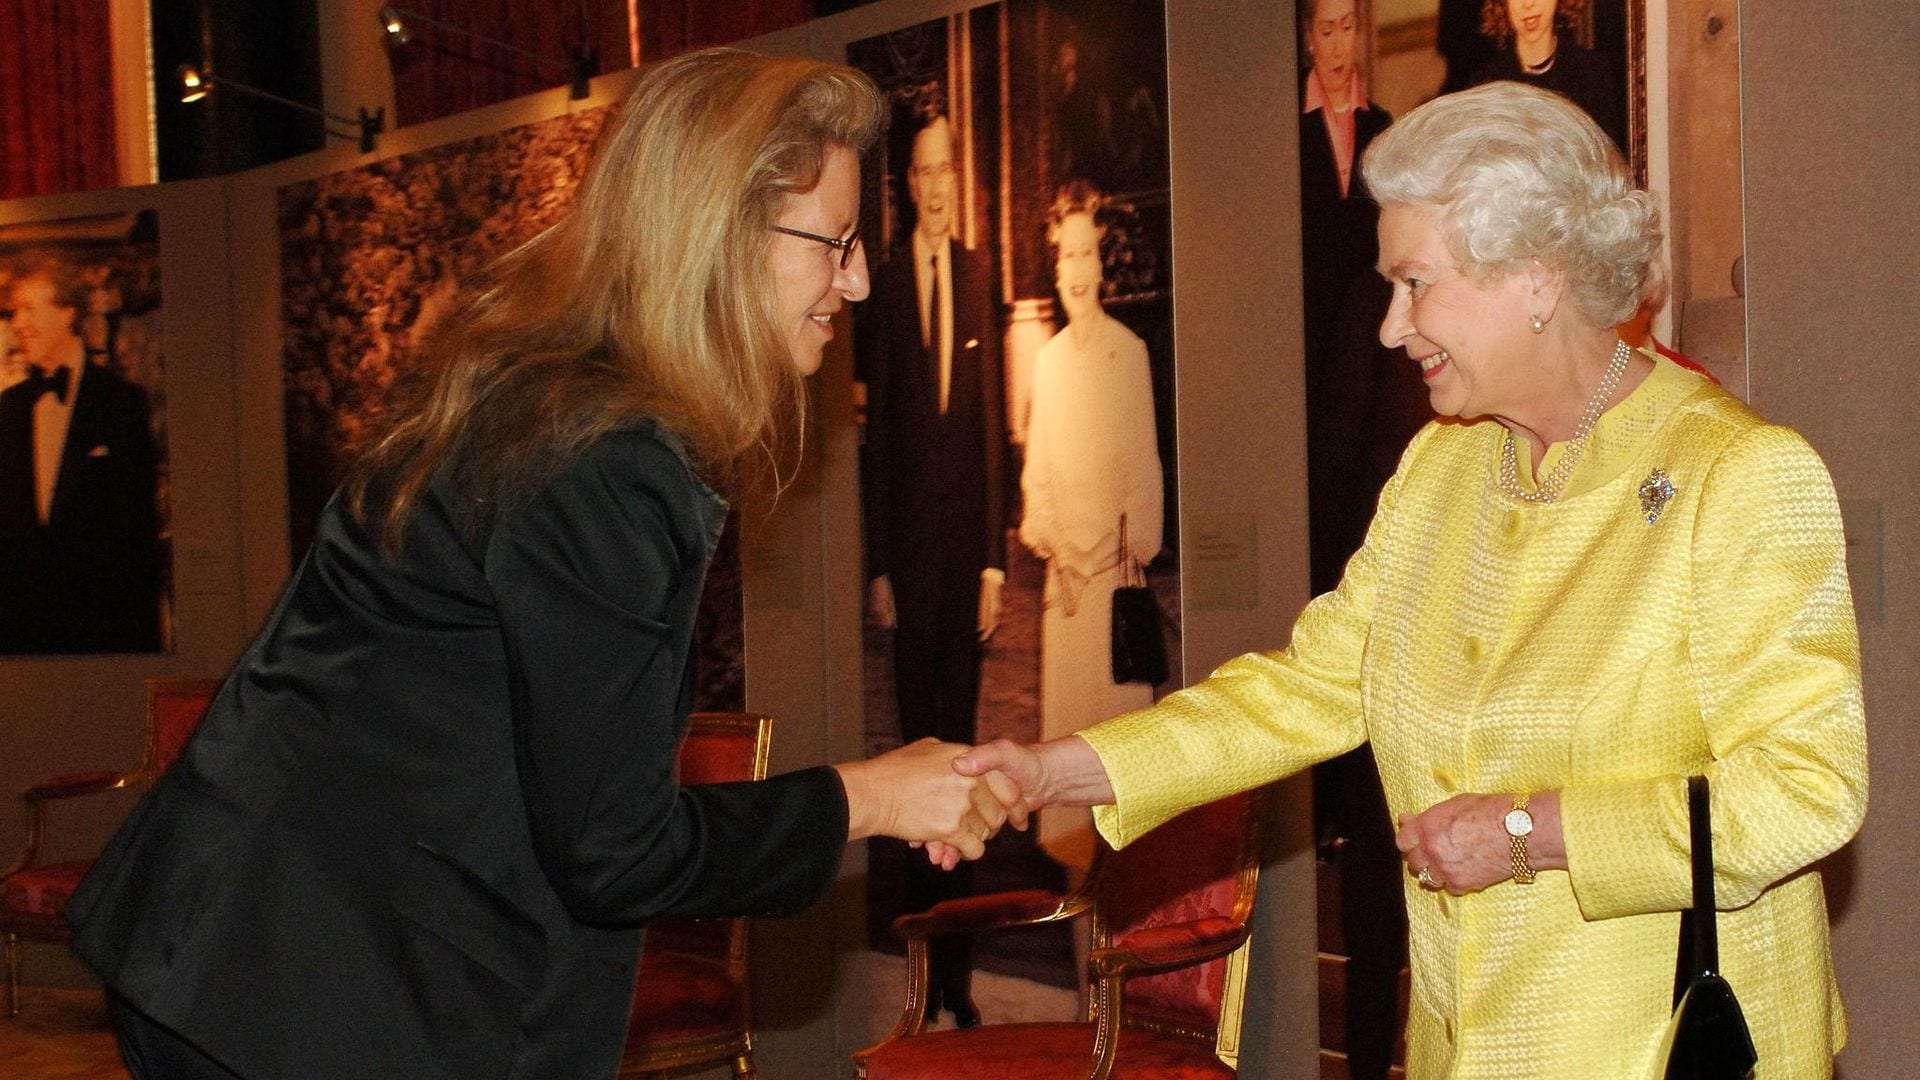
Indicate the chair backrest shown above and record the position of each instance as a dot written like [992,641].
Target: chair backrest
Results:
[1204,864]
[174,709]
[719,747]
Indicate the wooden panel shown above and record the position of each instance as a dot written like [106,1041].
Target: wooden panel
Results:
[1704,39]
[1333,1002]
[1333,1066]
[1333,1015]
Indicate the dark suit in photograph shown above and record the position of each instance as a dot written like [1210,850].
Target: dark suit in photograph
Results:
[86,580]
[1358,394]
[935,508]
[1337,228]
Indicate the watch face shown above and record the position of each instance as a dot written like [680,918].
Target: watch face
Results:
[1519,823]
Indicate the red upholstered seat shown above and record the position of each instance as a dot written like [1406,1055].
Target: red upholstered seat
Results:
[1167,971]
[41,891]
[682,997]
[1043,1052]
[32,894]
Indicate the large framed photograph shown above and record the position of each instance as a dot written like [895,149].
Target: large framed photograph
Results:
[1593,51]
[1015,368]
[373,257]
[85,564]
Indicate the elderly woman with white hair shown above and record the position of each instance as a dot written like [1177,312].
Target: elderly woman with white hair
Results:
[1594,575]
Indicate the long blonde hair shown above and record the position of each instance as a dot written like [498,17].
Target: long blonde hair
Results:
[651,297]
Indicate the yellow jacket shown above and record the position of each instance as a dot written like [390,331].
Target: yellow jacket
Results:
[1487,645]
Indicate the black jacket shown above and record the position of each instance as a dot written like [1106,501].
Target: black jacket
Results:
[419,826]
[88,579]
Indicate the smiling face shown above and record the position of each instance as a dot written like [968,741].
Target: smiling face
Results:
[809,285]
[40,324]
[1470,337]
[1331,36]
[1076,266]
[1532,22]
[930,180]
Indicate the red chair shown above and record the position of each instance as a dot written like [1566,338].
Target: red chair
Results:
[33,893]
[690,996]
[1167,970]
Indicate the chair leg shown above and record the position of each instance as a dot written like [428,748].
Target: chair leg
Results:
[13,975]
[743,1067]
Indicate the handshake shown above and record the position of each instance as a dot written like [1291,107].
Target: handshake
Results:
[951,799]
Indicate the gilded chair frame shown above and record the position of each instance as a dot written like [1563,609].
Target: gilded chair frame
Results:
[1109,967]
[15,931]
[735,1049]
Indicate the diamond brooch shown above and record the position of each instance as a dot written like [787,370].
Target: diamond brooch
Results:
[1655,491]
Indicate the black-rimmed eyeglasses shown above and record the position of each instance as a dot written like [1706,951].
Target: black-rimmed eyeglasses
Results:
[845,246]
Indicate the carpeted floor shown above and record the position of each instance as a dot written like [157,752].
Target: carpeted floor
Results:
[63,1034]
[59,1035]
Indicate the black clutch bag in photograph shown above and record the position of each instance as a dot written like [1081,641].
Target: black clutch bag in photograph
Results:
[1139,652]
[1707,1037]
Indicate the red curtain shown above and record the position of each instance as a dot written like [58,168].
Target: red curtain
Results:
[668,27]
[56,97]
[441,71]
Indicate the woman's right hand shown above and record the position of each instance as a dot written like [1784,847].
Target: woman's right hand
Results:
[1061,772]
[914,794]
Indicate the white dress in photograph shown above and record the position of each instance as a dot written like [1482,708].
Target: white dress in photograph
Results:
[1091,457]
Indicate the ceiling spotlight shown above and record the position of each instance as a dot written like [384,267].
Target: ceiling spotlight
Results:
[395,26]
[196,83]
[193,87]
[580,65]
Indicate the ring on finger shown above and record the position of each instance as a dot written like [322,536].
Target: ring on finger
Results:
[1427,880]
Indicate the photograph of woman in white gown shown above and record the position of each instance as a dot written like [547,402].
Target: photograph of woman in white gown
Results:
[1092,463]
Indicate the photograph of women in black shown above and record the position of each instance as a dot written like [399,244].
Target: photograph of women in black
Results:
[1551,44]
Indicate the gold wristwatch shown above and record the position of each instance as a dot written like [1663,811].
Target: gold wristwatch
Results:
[1519,825]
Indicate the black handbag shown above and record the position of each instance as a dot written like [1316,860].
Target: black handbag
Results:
[1707,1037]
[1139,653]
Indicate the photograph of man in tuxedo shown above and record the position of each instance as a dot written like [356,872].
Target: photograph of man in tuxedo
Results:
[929,343]
[79,529]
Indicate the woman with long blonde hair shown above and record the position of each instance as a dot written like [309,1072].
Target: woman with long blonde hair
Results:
[420,826]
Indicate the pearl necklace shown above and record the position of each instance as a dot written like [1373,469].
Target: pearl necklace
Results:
[1556,481]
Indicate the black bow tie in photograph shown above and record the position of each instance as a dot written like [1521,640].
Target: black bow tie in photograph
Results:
[56,382]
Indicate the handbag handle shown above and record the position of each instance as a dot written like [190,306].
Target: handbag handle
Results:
[1699,931]
[1127,576]
[1707,1035]
[1706,934]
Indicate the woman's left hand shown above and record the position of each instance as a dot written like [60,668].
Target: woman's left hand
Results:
[1068,584]
[1463,846]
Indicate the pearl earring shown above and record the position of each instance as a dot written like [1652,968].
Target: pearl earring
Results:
[1538,326]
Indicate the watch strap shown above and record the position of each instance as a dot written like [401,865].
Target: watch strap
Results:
[1523,871]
